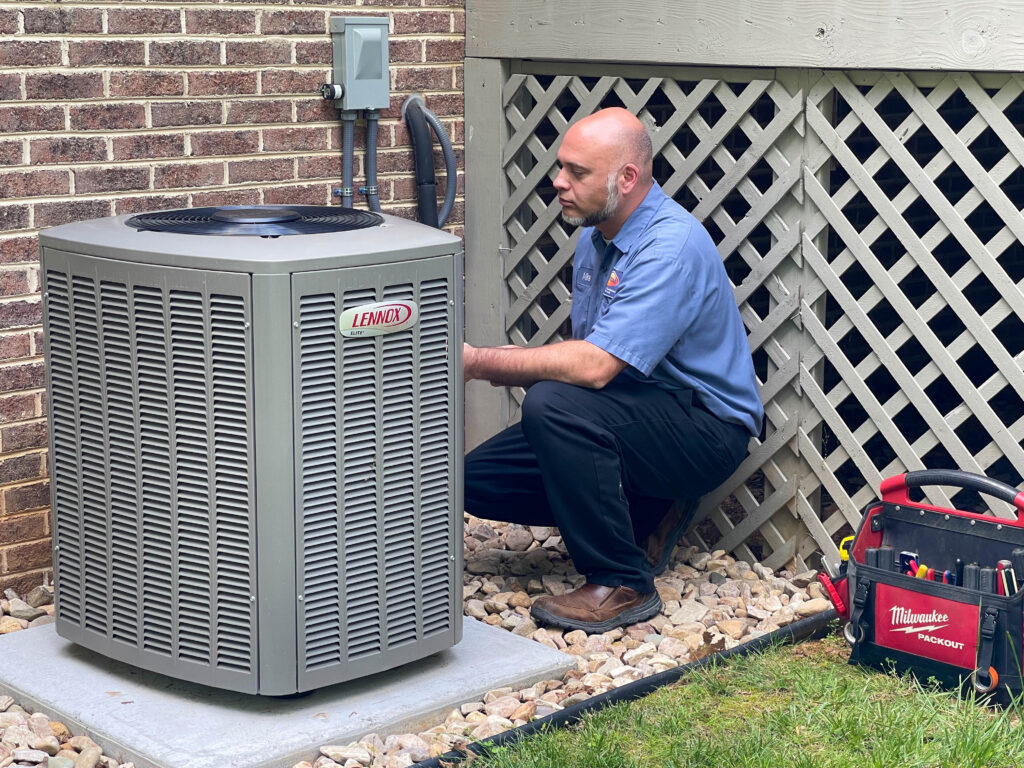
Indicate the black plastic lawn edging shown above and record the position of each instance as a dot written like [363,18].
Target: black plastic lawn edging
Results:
[792,633]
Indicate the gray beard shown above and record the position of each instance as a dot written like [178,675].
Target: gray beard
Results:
[598,217]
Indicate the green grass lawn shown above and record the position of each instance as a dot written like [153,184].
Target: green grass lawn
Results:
[789,707]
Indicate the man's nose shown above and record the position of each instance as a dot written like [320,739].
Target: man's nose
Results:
[560,183]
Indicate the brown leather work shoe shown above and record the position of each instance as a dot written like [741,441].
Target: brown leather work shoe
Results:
[595,608]
[663,539]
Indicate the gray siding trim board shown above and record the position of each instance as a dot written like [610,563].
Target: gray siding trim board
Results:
[912,34]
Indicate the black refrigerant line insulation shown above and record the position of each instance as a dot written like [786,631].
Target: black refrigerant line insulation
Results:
[792,633]
[420,121]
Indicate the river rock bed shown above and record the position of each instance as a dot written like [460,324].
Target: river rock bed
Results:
[711,602]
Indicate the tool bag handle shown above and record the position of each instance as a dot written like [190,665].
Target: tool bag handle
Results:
[895,489]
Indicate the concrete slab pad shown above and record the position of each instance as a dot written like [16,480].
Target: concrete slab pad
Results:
[160,722]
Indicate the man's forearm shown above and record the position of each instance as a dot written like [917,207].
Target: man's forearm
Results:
[573,362]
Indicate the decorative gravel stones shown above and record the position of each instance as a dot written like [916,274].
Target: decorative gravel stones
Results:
[711,602]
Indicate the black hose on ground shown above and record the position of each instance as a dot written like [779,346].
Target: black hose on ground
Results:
[793,633]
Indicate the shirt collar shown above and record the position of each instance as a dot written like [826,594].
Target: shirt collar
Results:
[638,220]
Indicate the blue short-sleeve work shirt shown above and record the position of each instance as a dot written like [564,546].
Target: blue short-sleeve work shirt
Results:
[657,296]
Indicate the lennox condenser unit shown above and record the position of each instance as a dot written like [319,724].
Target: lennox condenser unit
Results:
[256,442]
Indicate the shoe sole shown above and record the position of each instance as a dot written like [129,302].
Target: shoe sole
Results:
[632,615]
[674,536]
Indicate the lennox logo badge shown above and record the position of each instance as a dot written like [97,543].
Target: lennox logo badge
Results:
[921,623]
[378,319]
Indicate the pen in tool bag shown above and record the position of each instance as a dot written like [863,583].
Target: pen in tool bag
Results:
[958,567]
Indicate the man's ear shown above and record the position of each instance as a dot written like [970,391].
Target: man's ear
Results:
[630,177]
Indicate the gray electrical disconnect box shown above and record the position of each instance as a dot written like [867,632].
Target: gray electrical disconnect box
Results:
[361,61]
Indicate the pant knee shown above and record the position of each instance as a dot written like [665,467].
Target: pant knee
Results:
[541,402]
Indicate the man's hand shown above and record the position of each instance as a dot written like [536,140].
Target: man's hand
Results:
[573,362]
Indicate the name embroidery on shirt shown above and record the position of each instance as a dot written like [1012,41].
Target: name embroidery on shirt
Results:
[612,286]
[584,278]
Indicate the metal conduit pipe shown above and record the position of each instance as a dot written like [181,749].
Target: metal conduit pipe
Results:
[370,190]
[348,123]
[793,633]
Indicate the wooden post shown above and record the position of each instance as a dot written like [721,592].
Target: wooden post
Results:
[487,407]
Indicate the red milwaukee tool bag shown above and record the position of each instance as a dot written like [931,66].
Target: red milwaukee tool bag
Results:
[938,592]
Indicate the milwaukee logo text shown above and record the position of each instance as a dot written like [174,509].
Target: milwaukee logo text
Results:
[921,623]
[378,319]
[900,615]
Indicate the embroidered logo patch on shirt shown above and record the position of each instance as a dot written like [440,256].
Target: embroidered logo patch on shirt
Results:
[584,277]
[612,286]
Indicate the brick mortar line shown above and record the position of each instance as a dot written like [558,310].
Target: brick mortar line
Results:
[281,154]
[212,5]
[213,37]
[22,484]
[41,450]
[113,197]
[16,296]
[58,69]
[276,154]
[295,98]
[285,67]
[257,9]
[174,130]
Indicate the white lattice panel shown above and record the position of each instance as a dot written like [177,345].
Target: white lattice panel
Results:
[871,226]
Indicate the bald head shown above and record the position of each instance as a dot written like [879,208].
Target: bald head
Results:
[617,133]
[605,170]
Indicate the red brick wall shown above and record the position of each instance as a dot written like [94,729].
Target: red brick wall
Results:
[110,110]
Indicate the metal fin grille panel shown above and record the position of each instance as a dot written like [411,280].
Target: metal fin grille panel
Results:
[152,444]
[375,470]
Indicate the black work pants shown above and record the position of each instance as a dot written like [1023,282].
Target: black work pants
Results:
[604,466]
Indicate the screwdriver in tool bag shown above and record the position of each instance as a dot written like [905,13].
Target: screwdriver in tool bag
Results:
[987,579]
[1017,558]
[972,576]
[1007,582]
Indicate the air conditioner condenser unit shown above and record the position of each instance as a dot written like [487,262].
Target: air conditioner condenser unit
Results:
[256,442]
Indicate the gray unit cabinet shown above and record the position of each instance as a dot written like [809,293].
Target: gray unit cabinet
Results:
[242,496]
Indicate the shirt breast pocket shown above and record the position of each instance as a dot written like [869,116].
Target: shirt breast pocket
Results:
[584,279]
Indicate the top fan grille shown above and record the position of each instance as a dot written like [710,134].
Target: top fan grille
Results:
[263,220]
